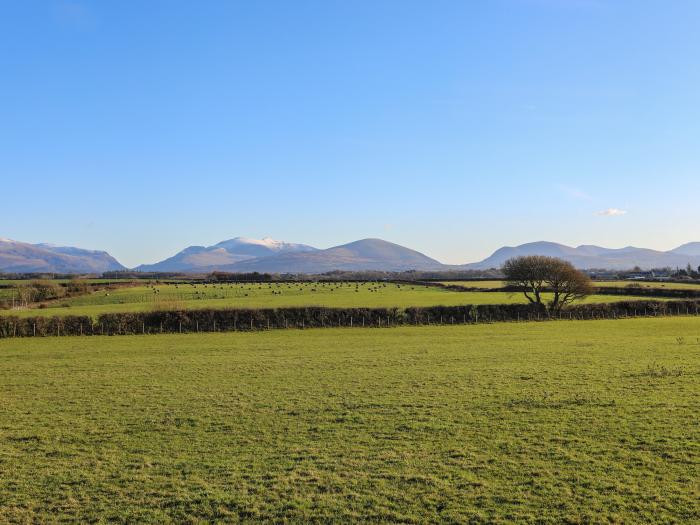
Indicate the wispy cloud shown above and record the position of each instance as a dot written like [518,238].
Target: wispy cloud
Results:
[574,192]
[611,212]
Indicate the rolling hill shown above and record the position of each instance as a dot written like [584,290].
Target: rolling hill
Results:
[691,248]
[365,254]
[21,257]
[224,253]
[589,257]
[242,254]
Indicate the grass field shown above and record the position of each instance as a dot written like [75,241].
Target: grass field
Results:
[6,293]
[616,284]
[560,422]
[340,295]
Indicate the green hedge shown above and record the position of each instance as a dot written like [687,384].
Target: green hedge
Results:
[188,321]
[672,293]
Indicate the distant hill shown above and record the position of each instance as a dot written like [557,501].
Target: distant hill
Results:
[691,248]
[21,257]
[589,257]
[366,254]
[205,258]
[267,255]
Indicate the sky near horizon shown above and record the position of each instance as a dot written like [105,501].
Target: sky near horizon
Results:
[451,127]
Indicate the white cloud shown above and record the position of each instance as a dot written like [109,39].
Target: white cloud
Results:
[611,212]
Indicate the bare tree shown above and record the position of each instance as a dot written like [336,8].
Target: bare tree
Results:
[536,274]
[567,284]
[25,294]
[527,274]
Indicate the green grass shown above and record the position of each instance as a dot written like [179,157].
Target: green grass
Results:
[143,298]
[558,422]
[616,284]
[6,293]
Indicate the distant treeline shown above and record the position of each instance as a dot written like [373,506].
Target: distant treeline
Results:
[225,320]
[46,276]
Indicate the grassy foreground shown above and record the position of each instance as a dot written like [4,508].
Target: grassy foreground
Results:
[544,422]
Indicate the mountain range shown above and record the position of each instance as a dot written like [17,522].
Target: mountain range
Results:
[267,255]
[224,254]
[589,257]
[22,257]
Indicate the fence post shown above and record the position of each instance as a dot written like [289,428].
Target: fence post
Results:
[180,326]
[34,329]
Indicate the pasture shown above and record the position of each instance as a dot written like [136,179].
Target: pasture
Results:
[560,422]
[617,284]
[272,295]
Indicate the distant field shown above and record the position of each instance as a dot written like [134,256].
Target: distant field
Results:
[617,284]
[6,293]
[276,295]
[561,422]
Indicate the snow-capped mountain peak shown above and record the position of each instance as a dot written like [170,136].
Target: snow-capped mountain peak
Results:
[225,253]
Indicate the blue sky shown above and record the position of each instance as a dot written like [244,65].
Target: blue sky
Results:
[452,127]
